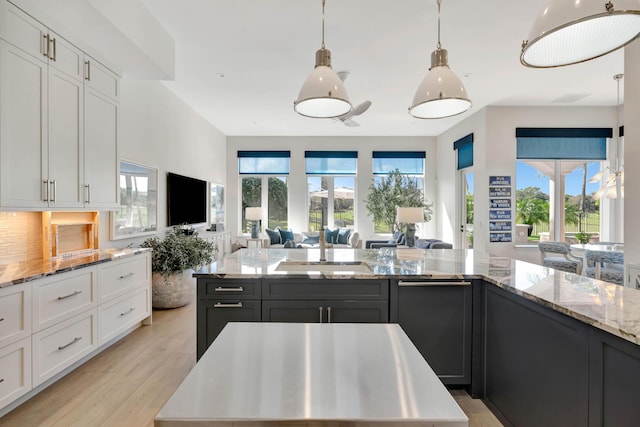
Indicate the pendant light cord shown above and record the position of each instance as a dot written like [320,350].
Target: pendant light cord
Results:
[617,78]
[323,23]
[439,46]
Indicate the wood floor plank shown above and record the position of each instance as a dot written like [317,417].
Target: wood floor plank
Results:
[127,384]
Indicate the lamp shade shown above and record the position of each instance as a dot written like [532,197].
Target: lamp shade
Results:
[323,94]
[441,93]
[408,215]
[253,214]
[568,31]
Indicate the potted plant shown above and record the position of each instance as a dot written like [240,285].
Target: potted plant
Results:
[173,259]
[583,237]
[531,211]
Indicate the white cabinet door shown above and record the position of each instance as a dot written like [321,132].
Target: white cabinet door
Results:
[15,370]
[61,345]
[66,163]
[15,313]
[23,129]
[100,150]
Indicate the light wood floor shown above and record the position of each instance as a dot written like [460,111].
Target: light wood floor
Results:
[127,384]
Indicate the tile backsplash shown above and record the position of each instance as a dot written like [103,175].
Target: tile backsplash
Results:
[20,236]
[29,236]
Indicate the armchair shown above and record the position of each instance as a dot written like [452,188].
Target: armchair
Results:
[605,265]
[561,257]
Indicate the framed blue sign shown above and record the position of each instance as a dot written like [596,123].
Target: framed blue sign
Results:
[500,180]
[499,213]
[500,204]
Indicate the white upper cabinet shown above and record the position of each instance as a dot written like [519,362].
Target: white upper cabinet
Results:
[58,120]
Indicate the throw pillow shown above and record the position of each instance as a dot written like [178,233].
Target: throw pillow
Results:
[396,237]
[310,240]
[289,244]
[274,236]
[286,235]
[343,236]
[332,235]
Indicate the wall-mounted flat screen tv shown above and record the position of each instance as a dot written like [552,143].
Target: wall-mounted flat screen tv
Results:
[186,200]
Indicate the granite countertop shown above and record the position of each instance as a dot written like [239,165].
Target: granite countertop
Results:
[20,272]
[612,308]
[345,374]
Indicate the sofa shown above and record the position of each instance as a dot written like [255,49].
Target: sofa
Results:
[337,238]
[398,239]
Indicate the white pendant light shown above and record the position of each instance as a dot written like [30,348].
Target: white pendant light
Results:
[441,93]
[572,31]
[323,94]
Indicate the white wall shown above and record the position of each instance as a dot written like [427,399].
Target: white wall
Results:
[297,178]
[495,154]
[158,129]
[631,151]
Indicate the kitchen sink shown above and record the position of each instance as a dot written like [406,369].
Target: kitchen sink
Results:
[324,266]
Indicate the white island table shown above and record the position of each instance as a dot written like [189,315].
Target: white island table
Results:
[299,374]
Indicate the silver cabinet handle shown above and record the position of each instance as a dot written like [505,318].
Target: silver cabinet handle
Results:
[70,295]
[320,310]
[124,313]
[75,340]
[45,48]
[224,289]
[328,314]
[54,57]
[88,187]
[124,276]
[227,305]
[46,183]
[53,182]
[434,283]
[88,76]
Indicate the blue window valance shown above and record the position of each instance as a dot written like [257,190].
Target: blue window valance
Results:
[408,162]
[263,162]
[464,147]
[331,162]
[562,143]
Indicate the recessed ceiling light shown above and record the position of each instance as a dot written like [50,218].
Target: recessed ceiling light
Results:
[220,75]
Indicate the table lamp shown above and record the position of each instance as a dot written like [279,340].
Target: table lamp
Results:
[409,217]
[255,216]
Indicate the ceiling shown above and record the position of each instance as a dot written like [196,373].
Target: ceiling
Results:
[241,63]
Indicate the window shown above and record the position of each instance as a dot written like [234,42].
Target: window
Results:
[554,197]
[409,163]
[331,188]
[137,215]
[264,184]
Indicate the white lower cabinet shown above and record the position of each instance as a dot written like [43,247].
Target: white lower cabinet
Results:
[59,346]
[49,324]
[61,296]
[122,313]
[15,370]
[120,277]
[15,313]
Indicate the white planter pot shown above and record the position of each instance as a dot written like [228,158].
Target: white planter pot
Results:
[175,290]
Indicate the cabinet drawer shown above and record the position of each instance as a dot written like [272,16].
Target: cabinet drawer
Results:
[15,371]
[100,78]
[325,289]
[122,313]
[229,288]
[119,277]
[15,313]
[63,295]
[59,346]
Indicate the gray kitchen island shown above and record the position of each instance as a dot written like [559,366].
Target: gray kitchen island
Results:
[293,374]
[539,346]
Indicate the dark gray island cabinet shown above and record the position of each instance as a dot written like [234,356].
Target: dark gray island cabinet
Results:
[435,314]
[540,347]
